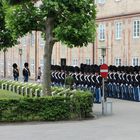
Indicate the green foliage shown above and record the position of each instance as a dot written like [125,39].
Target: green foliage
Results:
[6,38]
[25,22]
[65,104]
[69,21]
[15,2]
[45,109]
[9,95]
[69,81]
[77,23]
[74,20]
[82,103]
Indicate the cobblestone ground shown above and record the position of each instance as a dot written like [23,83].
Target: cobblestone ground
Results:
[123,124]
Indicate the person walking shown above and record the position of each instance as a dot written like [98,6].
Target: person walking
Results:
[26,72]
[39,75]
[15,72]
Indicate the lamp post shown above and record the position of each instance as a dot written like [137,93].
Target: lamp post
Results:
[20,54]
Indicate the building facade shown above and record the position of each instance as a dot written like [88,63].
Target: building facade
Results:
[118,33]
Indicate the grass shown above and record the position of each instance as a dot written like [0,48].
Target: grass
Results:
[4,94]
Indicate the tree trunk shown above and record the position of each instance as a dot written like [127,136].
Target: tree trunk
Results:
[4,51]
[47,57]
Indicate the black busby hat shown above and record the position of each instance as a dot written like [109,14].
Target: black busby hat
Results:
[26,64]
[14,65]
[77,69]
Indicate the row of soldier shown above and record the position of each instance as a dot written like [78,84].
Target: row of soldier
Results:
[122,82]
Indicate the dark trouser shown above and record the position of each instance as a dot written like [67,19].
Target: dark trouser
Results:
[16,78]
[98,94]
[25,78]
[109,90]
[137,93]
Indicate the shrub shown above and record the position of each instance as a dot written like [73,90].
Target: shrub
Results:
[82,104]
[46,109]
[4,94]
[69,81]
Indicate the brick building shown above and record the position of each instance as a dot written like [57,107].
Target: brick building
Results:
[118,31]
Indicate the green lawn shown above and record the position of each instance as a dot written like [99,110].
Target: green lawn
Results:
[4,94]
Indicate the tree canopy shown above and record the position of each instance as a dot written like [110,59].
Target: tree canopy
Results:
[74,20]
[6,38]
[69,21]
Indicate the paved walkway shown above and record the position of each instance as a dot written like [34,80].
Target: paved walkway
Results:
[124,124]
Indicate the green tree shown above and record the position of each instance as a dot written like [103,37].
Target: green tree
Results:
[69,21]
[6,38]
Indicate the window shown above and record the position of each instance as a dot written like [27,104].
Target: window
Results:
[52,62]
[118,62]
[100,61]
[136,28]
[2,66]
[88,61]
[24,41]
[32,65]
[41,64]
[135,61]
[42,42]
[118,30]
[9,68]
[101,32]
[74,62]
[95,1]
[32,39]
[101,1]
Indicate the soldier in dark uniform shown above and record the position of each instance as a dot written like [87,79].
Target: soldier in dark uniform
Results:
[109,81]
[15,72]
[137,85]
[62,75]
[26,72]
[98,85]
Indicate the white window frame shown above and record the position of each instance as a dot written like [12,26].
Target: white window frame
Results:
[42,63]
[135,61]
[52,61]
[136,28]
[88,61]
[118,30]
[101,29]
[118,61]
[32,39]
[32,65]
[95,1]
[42,42]
[2,66]
[101,1]
[9,68]
[75,62]
[24,41]
[100,61]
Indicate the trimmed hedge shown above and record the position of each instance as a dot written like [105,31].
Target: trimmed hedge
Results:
[47,108]
[82,104]
[9,95]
